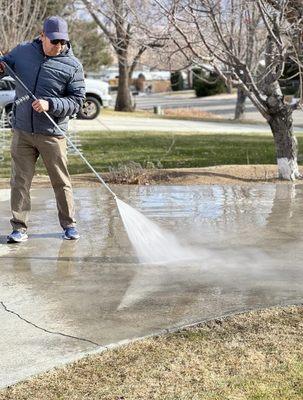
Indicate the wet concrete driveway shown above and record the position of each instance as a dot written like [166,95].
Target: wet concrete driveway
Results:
[61,299]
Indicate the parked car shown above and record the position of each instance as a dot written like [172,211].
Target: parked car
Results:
[97,96]
[7,96]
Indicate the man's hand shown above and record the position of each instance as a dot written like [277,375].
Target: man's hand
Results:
[2,67]
[40,105]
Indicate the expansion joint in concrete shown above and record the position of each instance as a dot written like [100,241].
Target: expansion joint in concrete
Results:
[46,330]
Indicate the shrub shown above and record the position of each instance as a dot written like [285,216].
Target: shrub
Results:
[290,80]
[177,81]
[207,84]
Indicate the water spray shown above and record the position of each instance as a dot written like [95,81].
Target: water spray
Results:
[152,244]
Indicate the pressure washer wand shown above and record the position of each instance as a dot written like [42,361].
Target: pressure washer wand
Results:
[14,76]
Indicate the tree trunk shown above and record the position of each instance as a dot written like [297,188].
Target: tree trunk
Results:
[240,106]
[281,125]
[229,86]
[123,101]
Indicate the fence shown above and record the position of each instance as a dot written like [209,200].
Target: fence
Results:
[5,138]
[74,137]
[4,135]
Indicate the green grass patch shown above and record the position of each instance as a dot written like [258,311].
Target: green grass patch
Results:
[166,150]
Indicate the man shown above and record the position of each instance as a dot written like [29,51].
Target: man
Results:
[49,69]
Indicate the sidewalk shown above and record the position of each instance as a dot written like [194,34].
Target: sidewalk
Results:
[128,123]
[60,300]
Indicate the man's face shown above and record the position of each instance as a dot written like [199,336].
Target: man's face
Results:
[49,48]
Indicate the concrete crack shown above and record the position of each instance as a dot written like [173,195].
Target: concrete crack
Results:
[46,330]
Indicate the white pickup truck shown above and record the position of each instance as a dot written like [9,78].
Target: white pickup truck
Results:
[97,96]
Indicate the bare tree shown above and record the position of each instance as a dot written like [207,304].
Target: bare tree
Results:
[293,10]
[247,38]
[239,22]
[18,20]
[132,27]
[198,31]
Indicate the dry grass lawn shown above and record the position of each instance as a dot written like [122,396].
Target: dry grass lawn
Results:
[192,114]
[216,175]
[256,356]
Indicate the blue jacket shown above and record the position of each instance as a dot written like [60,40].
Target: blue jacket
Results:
[59,80]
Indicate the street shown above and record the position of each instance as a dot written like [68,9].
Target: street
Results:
[123,122]
[223,105]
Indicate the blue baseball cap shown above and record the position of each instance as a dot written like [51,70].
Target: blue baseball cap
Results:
[55,28]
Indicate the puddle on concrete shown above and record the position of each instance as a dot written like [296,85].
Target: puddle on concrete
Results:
[249,240]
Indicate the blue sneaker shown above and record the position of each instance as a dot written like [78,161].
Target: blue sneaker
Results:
[17,237]
[71,234]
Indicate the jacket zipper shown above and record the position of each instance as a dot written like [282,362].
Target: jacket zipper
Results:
[34,92]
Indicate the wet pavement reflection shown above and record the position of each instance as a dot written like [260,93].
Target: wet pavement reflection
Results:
[69,297]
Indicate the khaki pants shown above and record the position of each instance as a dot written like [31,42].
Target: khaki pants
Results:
[25,150]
